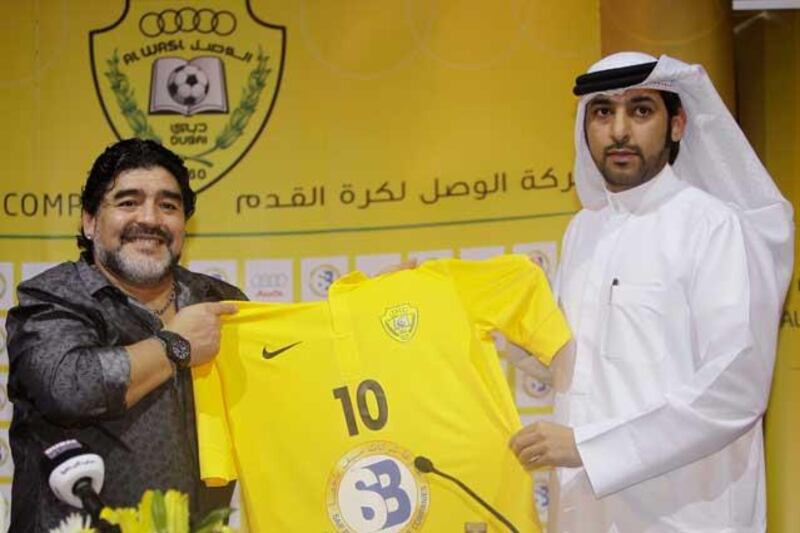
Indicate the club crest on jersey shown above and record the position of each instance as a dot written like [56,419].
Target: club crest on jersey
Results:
[375,487]
[400,322]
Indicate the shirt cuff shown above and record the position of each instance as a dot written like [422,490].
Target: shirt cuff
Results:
[116,367]
[607,456]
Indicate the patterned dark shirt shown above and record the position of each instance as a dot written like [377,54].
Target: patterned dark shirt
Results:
[68,378]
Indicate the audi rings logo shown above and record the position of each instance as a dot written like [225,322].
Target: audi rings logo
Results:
[187,19]
[269,281]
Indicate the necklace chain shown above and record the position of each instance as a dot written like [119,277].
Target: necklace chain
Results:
[170,300]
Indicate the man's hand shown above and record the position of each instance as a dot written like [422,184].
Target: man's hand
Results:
[200,324]
[545,444]
[409,264]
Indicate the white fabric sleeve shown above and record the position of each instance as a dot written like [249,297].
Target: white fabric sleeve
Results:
[726,395]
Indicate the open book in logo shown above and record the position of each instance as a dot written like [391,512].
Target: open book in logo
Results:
[184,87]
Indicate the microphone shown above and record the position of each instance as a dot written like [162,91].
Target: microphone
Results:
[425,466]
[76,476]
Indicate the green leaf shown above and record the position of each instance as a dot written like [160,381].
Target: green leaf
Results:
[159,512]
[213,520]
[123,91]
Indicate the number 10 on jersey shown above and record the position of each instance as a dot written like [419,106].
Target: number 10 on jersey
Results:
[365,388]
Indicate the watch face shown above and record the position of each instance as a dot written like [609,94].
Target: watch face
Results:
[178,349]
[181,351]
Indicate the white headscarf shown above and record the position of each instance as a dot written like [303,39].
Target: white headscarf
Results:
[714,156]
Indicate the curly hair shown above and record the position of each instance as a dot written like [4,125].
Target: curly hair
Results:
[125,155]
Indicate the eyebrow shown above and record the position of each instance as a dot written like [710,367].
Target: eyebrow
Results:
[642,99]
[124,193]
[599,100]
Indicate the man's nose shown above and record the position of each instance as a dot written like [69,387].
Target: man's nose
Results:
[148,213]
[620,127]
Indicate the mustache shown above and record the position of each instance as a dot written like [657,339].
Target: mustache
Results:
[136,231]
[622,147]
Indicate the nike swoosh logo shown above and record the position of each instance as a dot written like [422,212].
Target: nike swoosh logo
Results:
[269,355]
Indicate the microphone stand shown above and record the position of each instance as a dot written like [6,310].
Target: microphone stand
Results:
[425,465]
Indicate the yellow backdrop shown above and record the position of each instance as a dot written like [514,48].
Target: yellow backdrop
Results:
[329,136]
[345,134]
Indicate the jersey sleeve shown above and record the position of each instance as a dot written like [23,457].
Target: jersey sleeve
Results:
[512,295]
[217,466]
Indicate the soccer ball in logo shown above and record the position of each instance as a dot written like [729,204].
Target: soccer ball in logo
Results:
[188,85]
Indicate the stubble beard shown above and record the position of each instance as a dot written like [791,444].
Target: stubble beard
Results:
[135,267]
[648,169]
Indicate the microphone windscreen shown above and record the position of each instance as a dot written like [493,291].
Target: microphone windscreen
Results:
[67,463]
[423,464]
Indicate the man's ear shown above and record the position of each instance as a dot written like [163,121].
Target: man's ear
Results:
[678,125]
[88,224]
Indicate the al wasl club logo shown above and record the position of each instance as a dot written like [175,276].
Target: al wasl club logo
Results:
[400,322]
[199,77]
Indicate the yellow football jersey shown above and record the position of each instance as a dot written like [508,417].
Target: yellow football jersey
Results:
[320,409]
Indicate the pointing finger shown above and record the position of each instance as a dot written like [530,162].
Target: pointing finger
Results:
[222,308]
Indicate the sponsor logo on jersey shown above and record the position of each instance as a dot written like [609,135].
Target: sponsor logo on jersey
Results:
[400,322]
[375,487]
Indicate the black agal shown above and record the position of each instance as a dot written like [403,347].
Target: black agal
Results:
[614,78]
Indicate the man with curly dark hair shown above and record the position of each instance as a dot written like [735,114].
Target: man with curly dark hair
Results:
[100,348]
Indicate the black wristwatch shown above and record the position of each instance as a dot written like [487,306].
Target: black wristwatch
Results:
[179,350]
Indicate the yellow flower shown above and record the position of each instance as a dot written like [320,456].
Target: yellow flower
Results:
[162,512]
[177,505]
[126,518]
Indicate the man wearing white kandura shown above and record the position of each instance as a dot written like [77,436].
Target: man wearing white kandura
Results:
[672,278]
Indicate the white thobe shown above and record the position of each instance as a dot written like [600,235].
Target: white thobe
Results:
[662,383]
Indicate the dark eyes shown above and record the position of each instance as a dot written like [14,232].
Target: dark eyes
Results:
[600,112]
[133,204]
[639,111]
